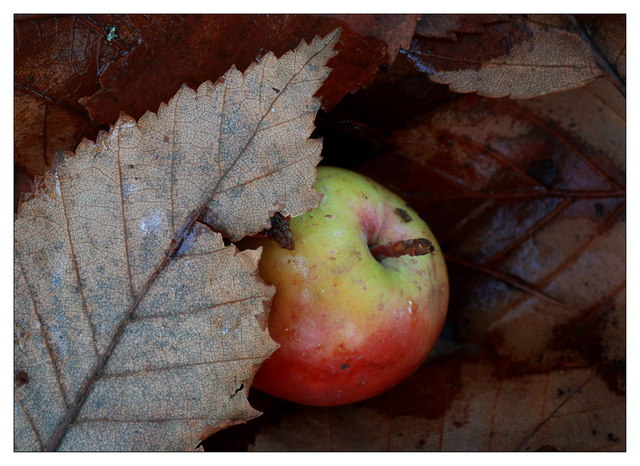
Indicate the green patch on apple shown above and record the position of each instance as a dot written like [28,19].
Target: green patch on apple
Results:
[350,326]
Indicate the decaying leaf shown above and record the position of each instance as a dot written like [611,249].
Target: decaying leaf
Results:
[536,189]
[57,59]
[526,57]
[223,40]
[464,403]
[609,32]
[394,30]
[135,328]
[448,26]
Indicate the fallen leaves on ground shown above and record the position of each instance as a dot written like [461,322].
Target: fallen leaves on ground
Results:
[532,188]
[58,58]
[135,327]
[67,65]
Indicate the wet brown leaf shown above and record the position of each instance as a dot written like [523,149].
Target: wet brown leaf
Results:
[135,328]
[396,31]
[464,403]
[535,189]
[142,79]
[525,57]
[58,59]
[609,32]
[448,26]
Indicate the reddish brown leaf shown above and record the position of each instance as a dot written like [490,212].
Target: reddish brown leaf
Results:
[23,187]
[142,79]
[57,60]
[523,58]
[61,56]
[447,26]
[395,31]
[536,190]
[464,403]
[41,128]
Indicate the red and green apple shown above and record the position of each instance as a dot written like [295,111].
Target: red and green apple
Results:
[350,326]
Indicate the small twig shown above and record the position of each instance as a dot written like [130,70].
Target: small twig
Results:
[410,247]
[507,278]
[612,74]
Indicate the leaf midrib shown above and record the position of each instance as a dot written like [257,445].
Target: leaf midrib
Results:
[177,243]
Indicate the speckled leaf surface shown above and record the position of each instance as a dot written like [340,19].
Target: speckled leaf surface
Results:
[528,56]
[135,327]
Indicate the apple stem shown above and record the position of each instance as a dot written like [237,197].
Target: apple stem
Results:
[410,247]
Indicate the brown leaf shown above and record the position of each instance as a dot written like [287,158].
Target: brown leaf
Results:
[523,58]
[135,328]
[464,403]
[609,32]
[447,26]
[41,128]
[142,79]
[394,30]
[534,189]
[57,59]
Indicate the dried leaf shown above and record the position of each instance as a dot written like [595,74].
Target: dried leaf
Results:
[135,328]
[447,26]
[41,128]
[526,57]
[464,403]
[57,59]
[534,189]
[394,30]
[609,32]
[142,79]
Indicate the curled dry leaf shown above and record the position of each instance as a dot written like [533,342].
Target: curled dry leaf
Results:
[135,328]
[526,57]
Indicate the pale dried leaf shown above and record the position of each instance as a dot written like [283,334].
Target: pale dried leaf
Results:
[135,328]
[539,55]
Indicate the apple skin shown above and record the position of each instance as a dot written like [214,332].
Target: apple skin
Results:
[349,327]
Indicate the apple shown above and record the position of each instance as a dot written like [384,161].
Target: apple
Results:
[349,326]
